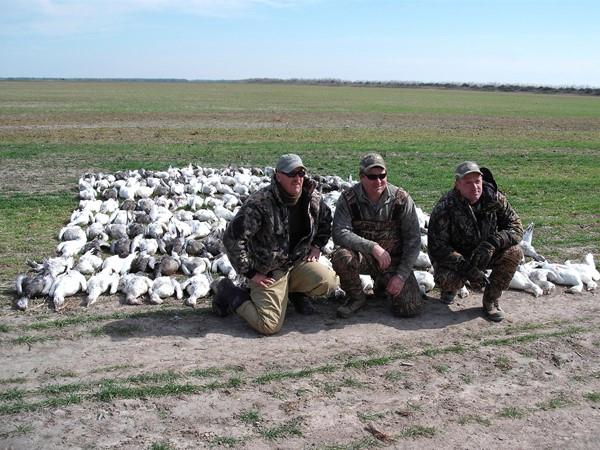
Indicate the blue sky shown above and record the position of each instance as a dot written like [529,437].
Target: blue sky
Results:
[554,43]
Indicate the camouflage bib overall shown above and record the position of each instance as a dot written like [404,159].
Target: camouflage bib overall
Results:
[388,235]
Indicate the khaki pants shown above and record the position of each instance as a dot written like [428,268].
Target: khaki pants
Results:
[266,310]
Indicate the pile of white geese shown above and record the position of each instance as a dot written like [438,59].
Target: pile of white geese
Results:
[151,235]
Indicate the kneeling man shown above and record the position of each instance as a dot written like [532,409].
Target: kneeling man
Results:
[377,230]
[473,228]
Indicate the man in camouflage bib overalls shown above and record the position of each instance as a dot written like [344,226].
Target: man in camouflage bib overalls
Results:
[377,229]
[473,228]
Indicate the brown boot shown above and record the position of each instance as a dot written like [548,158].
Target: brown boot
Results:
[493,311]
[351,306]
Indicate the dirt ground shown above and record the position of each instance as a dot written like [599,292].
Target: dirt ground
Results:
[188,379]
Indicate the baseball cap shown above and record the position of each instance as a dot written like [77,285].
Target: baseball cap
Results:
[371,160]
[465,168]
[289,162]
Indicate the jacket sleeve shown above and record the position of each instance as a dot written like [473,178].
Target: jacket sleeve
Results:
[438,240]
[411,238]
[510,228]
[246,223]
[323,226]
[343,233]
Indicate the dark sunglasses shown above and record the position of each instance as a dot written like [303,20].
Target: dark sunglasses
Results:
[381,176]
[297,173]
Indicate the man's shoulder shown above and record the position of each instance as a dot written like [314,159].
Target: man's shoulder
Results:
[447,200]
[398,193]
[261,196]
[353,192]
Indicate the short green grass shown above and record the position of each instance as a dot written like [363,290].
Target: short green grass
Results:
[370,416]
[512,412]
[365,443]
[543,149]
[161,446]
[474,419]
[418,431]
[250,416]
[225,441]
[287,429]
[559,401]
[593,396]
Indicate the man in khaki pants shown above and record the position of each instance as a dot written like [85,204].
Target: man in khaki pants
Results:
[275,241]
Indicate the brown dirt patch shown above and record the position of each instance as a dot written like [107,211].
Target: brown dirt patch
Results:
[446,379]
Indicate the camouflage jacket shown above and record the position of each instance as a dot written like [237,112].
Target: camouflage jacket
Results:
[457,228]
[394,205]
[257,239]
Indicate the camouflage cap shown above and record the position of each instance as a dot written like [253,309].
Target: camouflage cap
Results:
[466,168]
[289,162]
[371,160]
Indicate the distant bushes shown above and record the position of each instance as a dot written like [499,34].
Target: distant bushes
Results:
[579,90]
[416,84]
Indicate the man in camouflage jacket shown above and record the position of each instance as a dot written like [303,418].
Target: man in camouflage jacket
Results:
[473,228]
[376,226]
[275,241]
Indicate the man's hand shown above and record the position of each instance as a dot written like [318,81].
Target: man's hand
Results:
[476,277]
[382,256]
[395,285]
[482,255]
[262,280]
[314,254]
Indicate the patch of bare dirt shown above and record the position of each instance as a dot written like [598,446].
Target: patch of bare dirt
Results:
[288,119]
[447,379]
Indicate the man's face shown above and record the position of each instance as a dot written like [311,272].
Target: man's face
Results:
[291,182]
[470,187]
[374,182]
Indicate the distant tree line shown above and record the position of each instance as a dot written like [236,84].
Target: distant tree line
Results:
[417,84]
[502,87]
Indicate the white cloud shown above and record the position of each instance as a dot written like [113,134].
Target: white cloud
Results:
[64,17]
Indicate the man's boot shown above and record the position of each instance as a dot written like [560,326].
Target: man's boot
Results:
[302,303]
[447,297]
[492,310]
[352,305]
[228,297]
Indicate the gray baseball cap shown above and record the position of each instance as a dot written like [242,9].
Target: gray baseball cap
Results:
[465,168]
[289,162]
[371,160]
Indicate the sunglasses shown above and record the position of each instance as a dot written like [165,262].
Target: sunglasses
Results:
[297,173]
[381,176]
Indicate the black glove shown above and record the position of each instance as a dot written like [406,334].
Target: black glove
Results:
[482,255]
[475,276]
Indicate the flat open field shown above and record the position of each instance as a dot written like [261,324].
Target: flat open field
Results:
[170,376]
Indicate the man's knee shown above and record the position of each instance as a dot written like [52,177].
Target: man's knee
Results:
[409,302]
[268,325]
[329,282]
[344,260]
[505,267]
[447,279]
[510,258]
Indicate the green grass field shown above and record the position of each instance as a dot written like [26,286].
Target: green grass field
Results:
[544,149]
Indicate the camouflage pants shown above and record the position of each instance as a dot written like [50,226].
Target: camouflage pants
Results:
[349,265]
[503,264]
